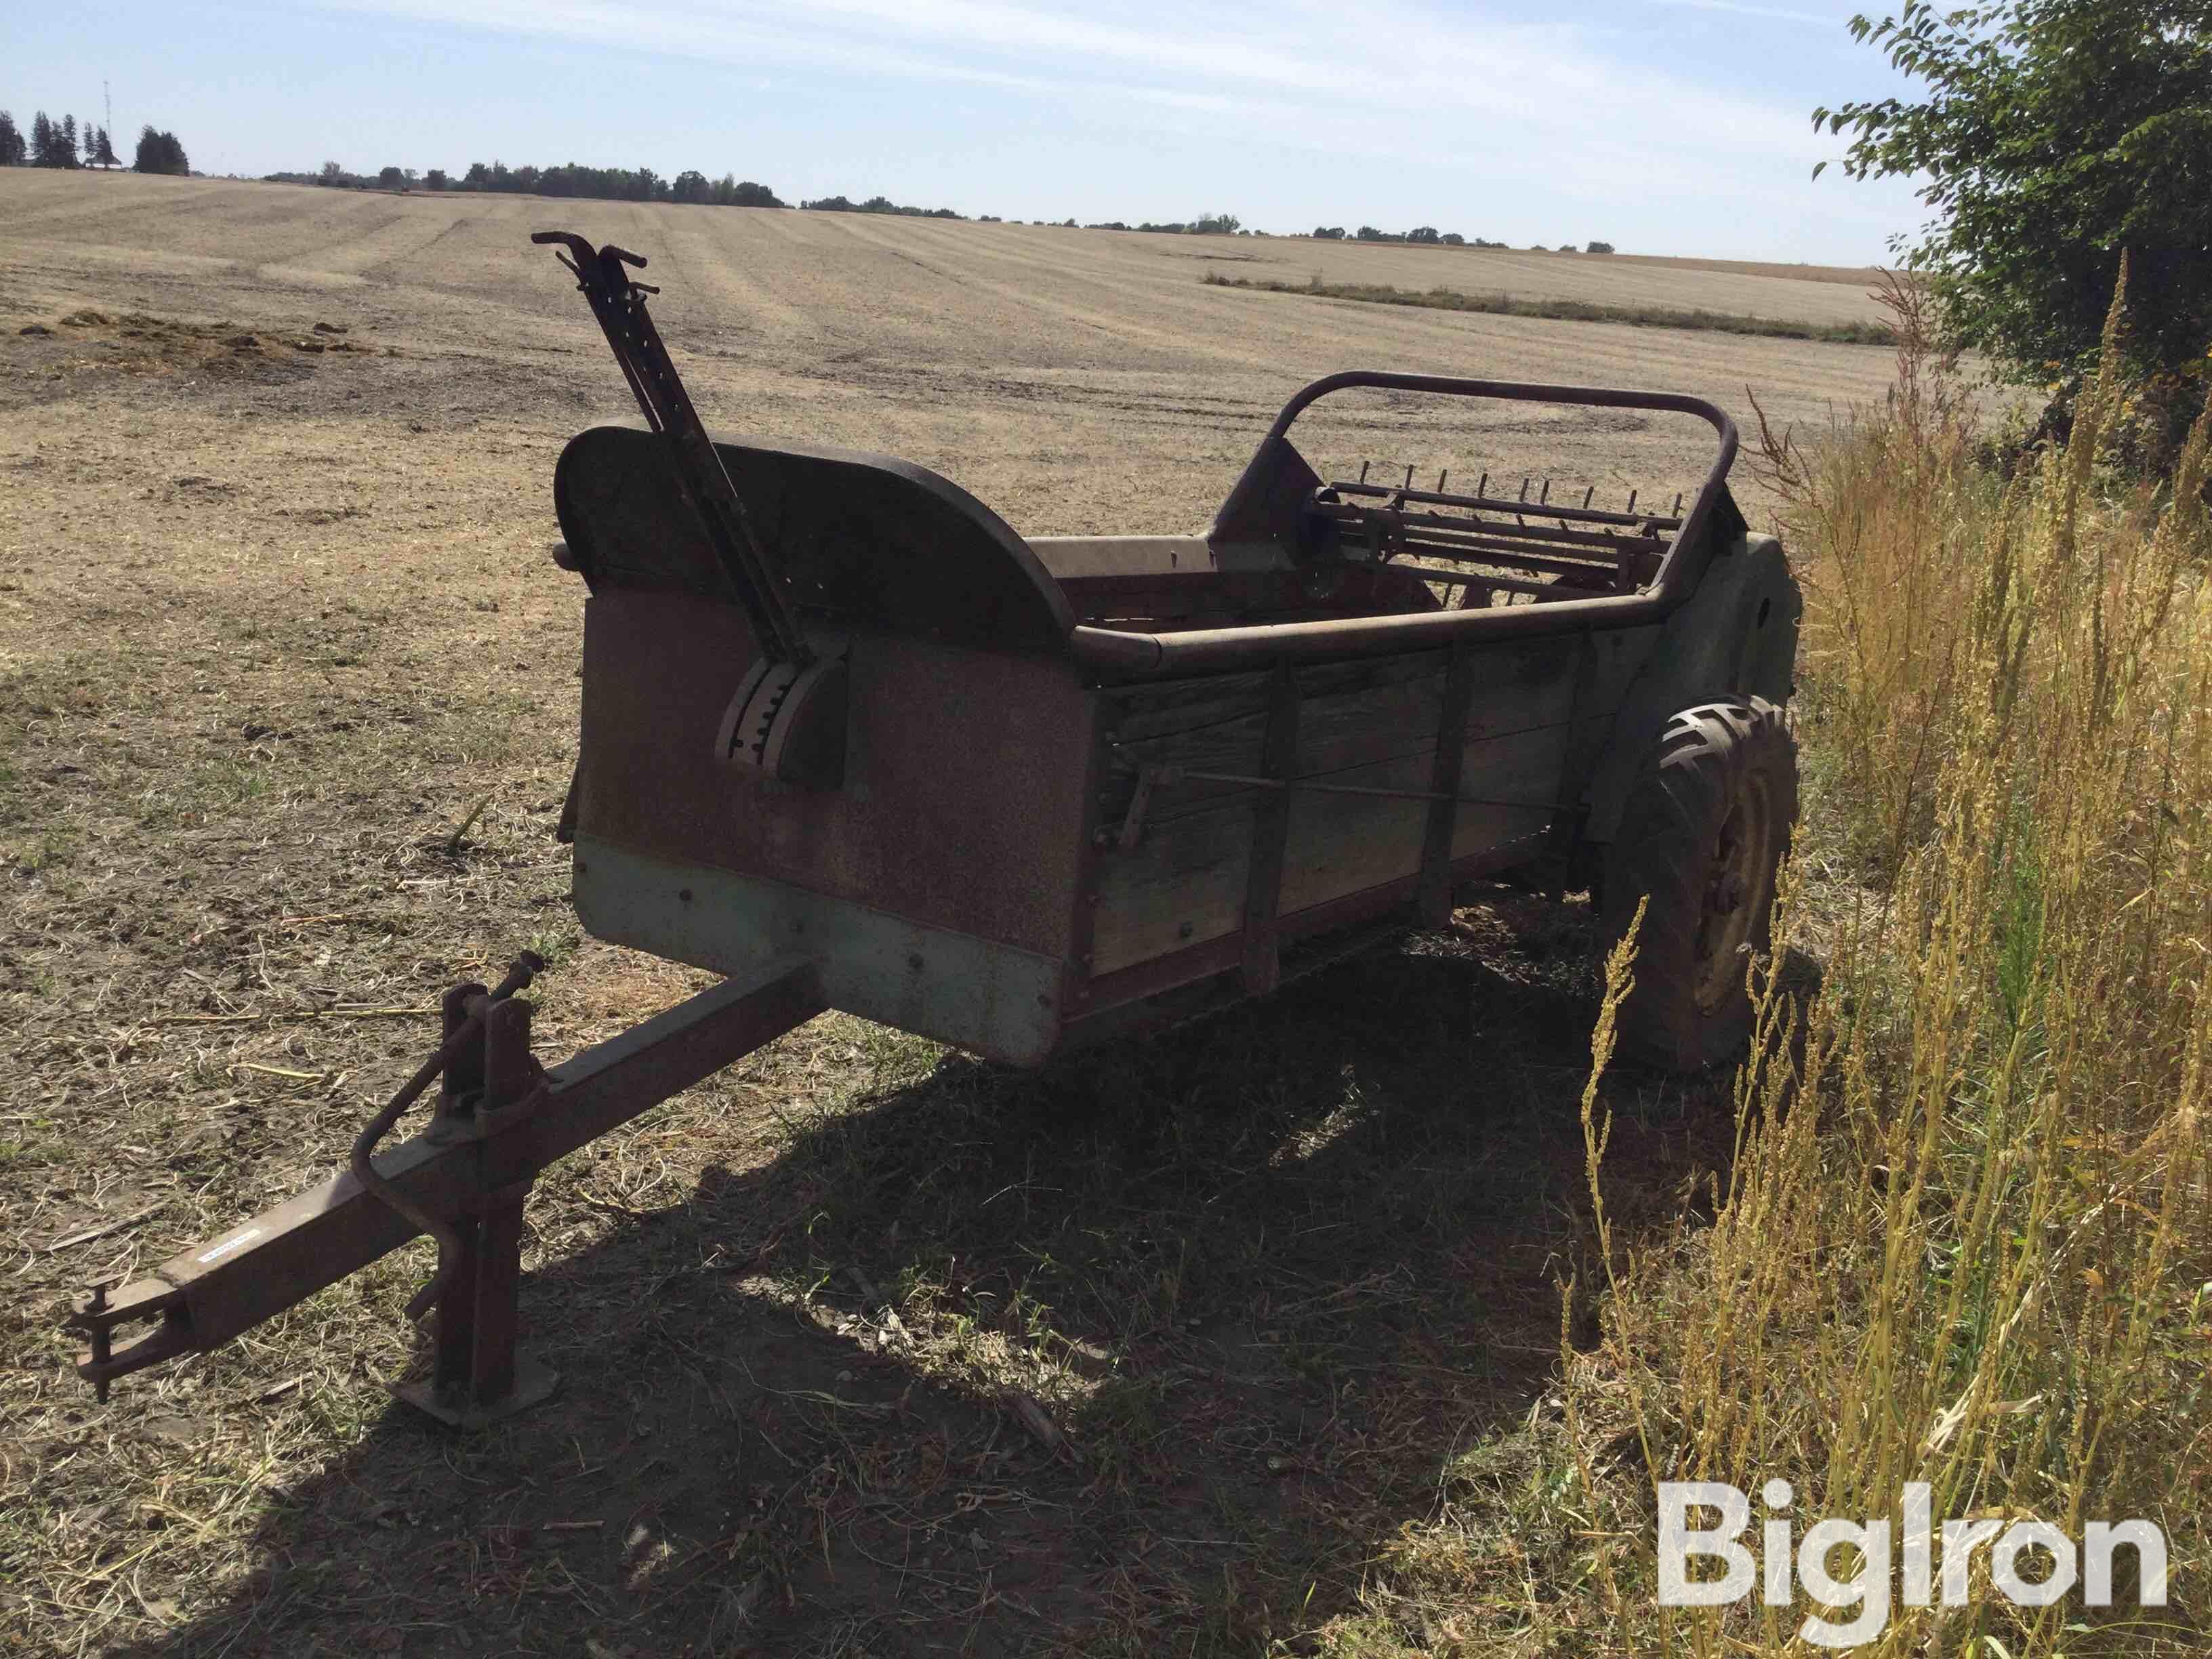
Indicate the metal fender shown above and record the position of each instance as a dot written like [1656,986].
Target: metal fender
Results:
[1736,635]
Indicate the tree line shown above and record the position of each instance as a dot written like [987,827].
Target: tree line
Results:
[1430,236]
[65,143]
[52,145]
[571,180]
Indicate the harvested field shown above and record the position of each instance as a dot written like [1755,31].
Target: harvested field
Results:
[287,708]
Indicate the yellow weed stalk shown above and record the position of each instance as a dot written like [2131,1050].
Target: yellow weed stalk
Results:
[1967,1237]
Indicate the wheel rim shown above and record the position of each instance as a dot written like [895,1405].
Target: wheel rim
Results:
[1734,896]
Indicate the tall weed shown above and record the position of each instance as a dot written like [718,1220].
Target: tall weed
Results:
[1966,1237]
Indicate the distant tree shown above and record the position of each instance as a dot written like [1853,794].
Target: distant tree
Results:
[2048,136]
[46,142]
[434,178]
[1453,239]
[103,154]
[160,152]
[1215,224]
[1328,233]
[690,185]
[1597,247]
[14,152]
[332,173]
[1426,234]
[391,179]
[67,156]
[878,205]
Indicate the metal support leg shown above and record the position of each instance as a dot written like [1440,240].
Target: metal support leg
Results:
[464,1178]
[478,1376]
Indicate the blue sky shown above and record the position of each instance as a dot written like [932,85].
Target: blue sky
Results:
[1665,126]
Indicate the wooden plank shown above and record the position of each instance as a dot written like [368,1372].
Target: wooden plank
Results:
[1349,719]
[1187,882]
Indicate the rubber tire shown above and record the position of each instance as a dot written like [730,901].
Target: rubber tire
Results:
[1726,767]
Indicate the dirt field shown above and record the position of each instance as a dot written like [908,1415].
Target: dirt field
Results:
[287,708]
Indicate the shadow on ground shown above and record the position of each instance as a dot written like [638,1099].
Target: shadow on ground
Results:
[1265,1276]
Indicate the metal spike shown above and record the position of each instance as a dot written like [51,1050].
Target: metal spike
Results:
[1631,500]
[1524,489]
[1587,493]
[1363,466]
[1483,489]
[1408,485]
[1678,503]
[1441,474]
[1544,495]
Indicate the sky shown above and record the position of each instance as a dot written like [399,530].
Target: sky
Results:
[1663,126]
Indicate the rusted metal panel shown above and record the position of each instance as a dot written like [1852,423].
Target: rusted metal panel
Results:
[1271,818]
[963,806]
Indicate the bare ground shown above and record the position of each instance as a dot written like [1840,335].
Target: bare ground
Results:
[277,621]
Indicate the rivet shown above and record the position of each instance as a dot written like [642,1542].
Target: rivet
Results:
[684,893]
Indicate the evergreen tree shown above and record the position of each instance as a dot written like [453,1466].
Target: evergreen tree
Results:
[65,150]
[42,141]
[13,151]
[160,152]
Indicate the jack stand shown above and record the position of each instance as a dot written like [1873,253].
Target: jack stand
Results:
[478,1375]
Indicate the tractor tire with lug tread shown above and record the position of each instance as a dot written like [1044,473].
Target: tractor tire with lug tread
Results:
[1703,829]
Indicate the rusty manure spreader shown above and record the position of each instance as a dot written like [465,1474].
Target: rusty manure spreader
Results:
[850,741]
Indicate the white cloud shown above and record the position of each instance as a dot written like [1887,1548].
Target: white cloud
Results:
[1780,14]
[1539,110]
[1408,78]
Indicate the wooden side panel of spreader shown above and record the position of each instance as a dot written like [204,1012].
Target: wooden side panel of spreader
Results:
[1538,710]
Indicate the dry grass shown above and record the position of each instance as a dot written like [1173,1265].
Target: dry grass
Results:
[1965,1236]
